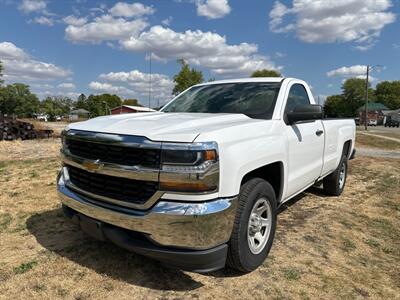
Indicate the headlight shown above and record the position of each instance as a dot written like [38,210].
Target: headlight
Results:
[189,168]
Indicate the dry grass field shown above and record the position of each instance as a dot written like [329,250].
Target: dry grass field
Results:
[369,141]
[325,247]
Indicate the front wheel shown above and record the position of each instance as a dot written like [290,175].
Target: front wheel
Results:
[254,226]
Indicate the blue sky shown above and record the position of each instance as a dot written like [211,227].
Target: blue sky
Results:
[77,46]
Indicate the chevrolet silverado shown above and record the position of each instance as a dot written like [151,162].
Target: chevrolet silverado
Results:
[197,184]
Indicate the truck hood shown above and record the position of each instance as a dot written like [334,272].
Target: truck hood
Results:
[159,126]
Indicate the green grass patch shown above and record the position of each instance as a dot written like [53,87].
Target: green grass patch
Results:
[5,221]
[34,174]
[373,243]
[25,267]
[291,274]
[386,182]
[39,287]
[384,227]
[348,245]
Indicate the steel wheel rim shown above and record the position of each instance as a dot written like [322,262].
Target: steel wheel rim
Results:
[342,175]
[259,225]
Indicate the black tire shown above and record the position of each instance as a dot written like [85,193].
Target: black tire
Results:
[240,256]
[332,184]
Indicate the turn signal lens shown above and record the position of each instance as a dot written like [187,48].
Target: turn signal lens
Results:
[210,155]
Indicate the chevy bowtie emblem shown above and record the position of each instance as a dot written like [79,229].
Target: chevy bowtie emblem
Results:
[93,165]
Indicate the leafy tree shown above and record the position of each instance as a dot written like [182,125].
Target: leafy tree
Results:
[186,77]
[81,102]
[17,99]
[1,73]
[133,102]
[354,95]
[56,106]
[388,93]
[334,106]
[99,105]
[266,73]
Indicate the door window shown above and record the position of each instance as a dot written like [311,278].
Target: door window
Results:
[297,96]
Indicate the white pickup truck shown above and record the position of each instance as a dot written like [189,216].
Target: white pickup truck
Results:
[197,185]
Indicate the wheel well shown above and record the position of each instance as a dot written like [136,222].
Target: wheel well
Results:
[346,148]
[272,173]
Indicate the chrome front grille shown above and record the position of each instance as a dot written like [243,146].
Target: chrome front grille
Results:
[118,169]
[121,155]
[122,189]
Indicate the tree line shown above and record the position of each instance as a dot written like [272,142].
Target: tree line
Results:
[17,99]
[353,97]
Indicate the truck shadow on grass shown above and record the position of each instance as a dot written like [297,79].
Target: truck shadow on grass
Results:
[59,235]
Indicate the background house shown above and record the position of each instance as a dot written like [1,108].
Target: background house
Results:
[78,114]
[391,115]
[126,109]
[375,112]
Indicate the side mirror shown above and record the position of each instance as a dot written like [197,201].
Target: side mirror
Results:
[306,112]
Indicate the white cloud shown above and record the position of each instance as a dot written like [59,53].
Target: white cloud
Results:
[29,6]
[365,47]
[205,49]
[348,71]
[75,21]
[122,9]
[42,20]
[43,90]
[9,51]
[66,86]
[18,65]
[136,84]
[280,54]
[356,71]
[104,28]
[54,93]
[213,9]
[101,87]
[322,21]
[167,21]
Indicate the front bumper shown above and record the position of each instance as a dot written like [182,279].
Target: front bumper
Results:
[187,228]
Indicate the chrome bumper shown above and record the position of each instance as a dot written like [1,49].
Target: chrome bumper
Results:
[174,224]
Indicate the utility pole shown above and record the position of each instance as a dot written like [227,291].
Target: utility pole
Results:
[150,79]
[366,99]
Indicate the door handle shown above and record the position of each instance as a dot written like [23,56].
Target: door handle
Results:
[319,132]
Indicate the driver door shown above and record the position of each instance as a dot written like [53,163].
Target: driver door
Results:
[305,145]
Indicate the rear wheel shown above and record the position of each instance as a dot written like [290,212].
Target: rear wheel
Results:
[254,226]
[335,182]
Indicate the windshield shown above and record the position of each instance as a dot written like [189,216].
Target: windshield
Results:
[254,99]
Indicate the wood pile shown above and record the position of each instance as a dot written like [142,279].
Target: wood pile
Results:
[12,129]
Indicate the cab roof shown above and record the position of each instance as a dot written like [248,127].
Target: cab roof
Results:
[239,80]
